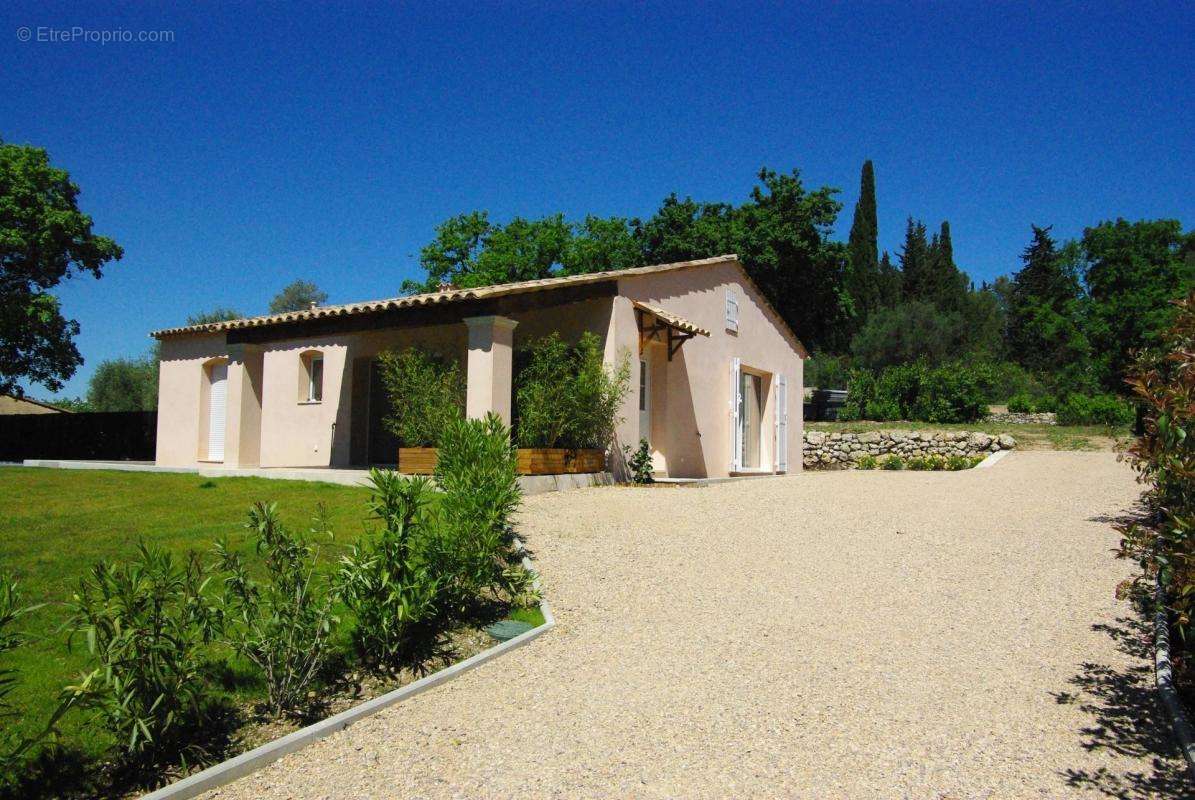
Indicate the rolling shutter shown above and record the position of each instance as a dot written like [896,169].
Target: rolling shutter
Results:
[217,408]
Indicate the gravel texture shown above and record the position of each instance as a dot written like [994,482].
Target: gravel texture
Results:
[828,635]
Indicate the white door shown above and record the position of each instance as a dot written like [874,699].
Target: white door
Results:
[217,405]
[781,424]
[644,400]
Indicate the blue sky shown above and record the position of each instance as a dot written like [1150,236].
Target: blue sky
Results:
[269,142]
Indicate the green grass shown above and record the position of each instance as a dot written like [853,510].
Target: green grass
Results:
[56,524]
[1029,437]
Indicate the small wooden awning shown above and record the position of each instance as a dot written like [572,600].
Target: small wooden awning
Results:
[663,326]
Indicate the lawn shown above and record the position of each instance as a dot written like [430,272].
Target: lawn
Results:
[1029,437]
[55,524]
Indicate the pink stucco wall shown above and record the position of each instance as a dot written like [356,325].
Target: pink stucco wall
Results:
[691,419]
[690,394]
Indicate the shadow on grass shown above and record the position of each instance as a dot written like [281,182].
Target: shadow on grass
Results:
[66,773]
[1126,718]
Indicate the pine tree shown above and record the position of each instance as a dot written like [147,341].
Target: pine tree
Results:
[889,283]
[1044,324]
[917,278]
[862,280]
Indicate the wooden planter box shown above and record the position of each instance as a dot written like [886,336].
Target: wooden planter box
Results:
[417,460]
[558,461]
[530,460]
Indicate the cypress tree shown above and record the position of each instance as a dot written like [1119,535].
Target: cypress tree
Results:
[917,282]
[863,284]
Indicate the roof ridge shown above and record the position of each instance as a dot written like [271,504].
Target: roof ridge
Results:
[437,297]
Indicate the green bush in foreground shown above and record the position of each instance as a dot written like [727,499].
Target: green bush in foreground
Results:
[640,463]
[283,624]
[892,462]
[146,624]
[867,462]
[474,548]
[384,580]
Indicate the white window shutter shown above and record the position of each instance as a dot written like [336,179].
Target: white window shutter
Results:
[217,412]
[736,399]
[732,311]
[781,424]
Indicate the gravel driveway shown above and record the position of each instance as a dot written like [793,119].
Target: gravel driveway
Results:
[853,635]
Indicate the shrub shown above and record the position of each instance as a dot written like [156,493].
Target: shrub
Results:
[145,623]
[565,396]
[1100,409]
[426,393]
[892,462]
[383,580]
[1021,403]
[475,544]
[11,610]
[918,463]
[951,393]
[826,371]
[640,463]
[955,463]
[867,462]
[281,625]
[1164,542]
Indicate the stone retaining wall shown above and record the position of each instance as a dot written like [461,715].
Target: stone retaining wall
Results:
[1021,418]
[841,450]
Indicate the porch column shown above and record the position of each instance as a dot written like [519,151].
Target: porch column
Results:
[488,372]
[242,437]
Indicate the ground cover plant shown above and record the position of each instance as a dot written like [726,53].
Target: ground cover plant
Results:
[183,640]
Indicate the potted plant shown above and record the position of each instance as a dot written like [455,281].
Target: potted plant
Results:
[426,394]
[566,405]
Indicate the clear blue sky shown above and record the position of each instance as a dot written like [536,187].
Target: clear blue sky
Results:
[326,143]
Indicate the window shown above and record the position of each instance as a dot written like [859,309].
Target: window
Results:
[311,386]
[732,311]
[642,385]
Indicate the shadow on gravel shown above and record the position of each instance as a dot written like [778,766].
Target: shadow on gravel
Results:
[1127,719]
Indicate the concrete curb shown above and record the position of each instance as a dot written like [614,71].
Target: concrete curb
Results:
[1184,734]
[238,767]
[992,460]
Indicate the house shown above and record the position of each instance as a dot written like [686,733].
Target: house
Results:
[716,373]
[23,405]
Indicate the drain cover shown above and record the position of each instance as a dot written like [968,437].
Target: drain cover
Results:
[507,629]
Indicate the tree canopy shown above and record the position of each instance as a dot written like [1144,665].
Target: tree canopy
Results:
[44,239]
[298,296]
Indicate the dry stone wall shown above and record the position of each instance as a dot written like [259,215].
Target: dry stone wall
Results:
[841,450]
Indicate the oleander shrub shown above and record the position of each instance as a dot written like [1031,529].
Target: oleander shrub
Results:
[566,396]
[1163,542]
[146,624]
[11,610]
[426,393]
[892,462]
[475,548]
[386,580]
[1100,409]
[283,623]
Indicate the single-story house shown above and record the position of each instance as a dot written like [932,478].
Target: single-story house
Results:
[716,373]
[10,404]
